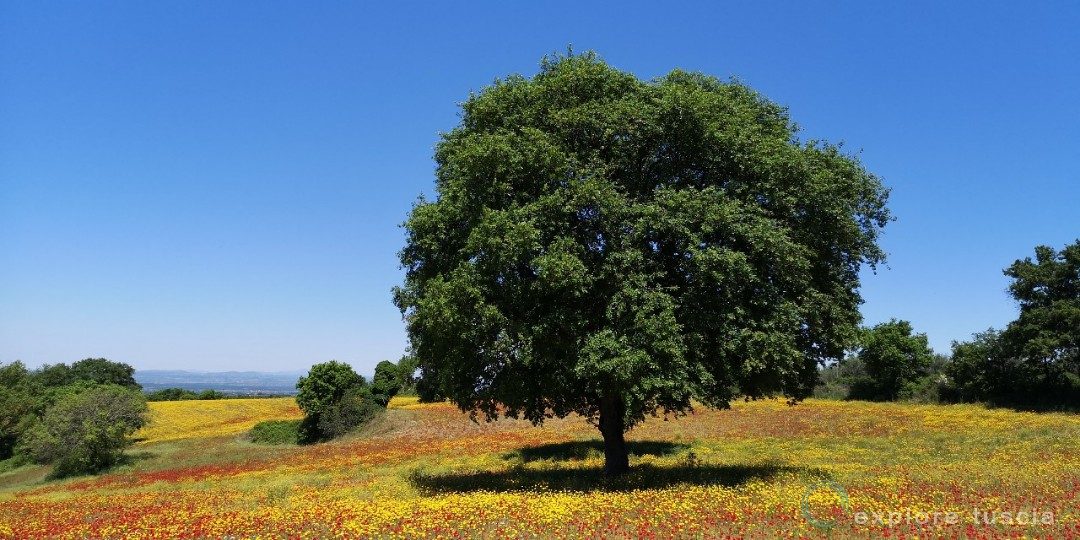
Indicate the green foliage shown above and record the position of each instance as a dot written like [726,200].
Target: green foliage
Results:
[87,431]
[408,365]
[837,379]
[926,389]
[609,246]
[181,394]
[893,357]
[357,407]
[324,385]
[1035,362]
[14,374]
[27,397]
[386,382]
[276,432]
[54,375]
[102,371]
[171,394]
[17,409]
[336,400]
[977,369]
[1045,338]
[17,406]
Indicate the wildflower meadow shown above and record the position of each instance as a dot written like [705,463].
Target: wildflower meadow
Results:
[762,469]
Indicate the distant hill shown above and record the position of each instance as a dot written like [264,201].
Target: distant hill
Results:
[230,382]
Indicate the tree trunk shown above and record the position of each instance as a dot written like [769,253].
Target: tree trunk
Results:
[616,457]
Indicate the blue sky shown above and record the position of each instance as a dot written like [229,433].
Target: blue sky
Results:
[218,185]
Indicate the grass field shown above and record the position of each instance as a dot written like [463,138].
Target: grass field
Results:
[761,470]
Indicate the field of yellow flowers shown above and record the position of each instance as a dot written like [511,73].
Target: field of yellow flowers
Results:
[762,469]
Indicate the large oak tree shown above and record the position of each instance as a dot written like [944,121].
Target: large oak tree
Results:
[615,248]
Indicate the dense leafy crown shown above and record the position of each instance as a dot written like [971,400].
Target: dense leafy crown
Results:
[598,235]
[326,384]
[1047,332]
[894,355]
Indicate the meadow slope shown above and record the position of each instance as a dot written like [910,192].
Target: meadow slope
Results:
[760,470]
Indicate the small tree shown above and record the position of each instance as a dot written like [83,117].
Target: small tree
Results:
[87,431]
[171,394]
[893,356]
[615,248]
[386,382]
[335,399]
[324,385]
[407,368]
[978,369]
[54,375]
[356,407]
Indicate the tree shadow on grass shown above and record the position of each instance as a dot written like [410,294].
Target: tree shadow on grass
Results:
[579,450]
[590,479]
[131,458]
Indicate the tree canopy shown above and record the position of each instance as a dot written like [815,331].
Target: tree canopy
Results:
[893,356]
[26,395]
[1035,361]
[335,400]
[324,385]
[87,431]
[1046,335]
[614,247]
[386,382]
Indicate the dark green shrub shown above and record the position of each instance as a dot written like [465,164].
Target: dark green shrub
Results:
[836,380]
[276,432]
[86,431]
[386,383]
[894,356]
[356,408]
[324,385]
[926,389]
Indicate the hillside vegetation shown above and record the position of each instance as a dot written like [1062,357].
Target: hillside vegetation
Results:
[426,470]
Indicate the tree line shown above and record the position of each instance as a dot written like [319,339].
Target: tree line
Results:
[81,417]
[78,418]
[1033,363]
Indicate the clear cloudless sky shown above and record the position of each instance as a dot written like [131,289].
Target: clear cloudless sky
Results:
[218,185]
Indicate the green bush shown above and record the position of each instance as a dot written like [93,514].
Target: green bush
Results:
[927,389]
[846,379]
[894,356]
[86,431]
[387,382]
[356,408]
[324,385]
[276,432]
